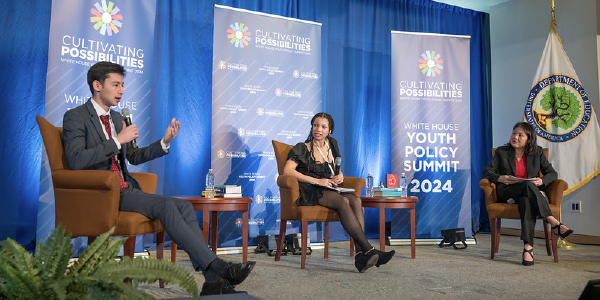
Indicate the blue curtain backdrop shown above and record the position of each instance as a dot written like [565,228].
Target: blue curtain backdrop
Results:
[356,80]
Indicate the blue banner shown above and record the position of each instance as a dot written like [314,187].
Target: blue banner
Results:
[81,34]
[266,86]
[430,131]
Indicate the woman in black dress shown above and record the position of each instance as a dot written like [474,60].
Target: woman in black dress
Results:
[312,163]
[522,159]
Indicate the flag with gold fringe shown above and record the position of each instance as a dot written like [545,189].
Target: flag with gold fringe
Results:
[563,117]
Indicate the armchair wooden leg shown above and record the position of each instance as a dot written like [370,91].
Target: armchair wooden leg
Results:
[351,246]
[492,238]
[160,244]
[160,247]
[326,254]
[173,251]
[555,246]
[129,247]
[304,231]
[498,229]
[547,237]
[282,228]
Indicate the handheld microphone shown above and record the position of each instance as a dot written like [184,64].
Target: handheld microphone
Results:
[127,116]
[337,164]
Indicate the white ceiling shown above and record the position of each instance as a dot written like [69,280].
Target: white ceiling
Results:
[478,5]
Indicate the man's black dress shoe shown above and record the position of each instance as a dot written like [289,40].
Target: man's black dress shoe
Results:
[217,288]
[236,273]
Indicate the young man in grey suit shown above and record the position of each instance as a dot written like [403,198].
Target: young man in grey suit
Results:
[96,138]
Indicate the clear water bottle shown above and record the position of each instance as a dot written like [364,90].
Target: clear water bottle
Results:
[369,185]
[210,184]
[403,185]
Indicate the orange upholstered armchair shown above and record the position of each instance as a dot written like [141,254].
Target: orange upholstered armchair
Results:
[290,211]
[498,211]
[87,201]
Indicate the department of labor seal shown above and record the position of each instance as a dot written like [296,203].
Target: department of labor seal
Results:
[558,108]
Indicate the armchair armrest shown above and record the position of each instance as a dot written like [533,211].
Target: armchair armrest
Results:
[289,193]
[84,197]
[147,181]
[555,191]
[489,190]
[85,179]
[287,181]
[356,183]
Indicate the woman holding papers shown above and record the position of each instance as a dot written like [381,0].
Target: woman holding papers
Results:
[514,169]
[312,163]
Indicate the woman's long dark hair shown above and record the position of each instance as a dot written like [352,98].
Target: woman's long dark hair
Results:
[310,137]
[531,146]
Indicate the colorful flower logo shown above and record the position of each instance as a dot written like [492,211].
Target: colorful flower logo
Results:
[220,154]
[222,64]
[241,132]
[296,74]
[238,34]
[260,111]
[278,92]
[258,199]
[430,63]
[239,222]
[106,18]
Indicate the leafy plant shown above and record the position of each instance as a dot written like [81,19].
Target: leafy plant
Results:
[95,275]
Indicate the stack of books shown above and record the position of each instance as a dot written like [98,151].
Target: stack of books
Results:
[228,191]
[387,192]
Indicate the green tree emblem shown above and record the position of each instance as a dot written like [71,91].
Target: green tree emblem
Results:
[561,108]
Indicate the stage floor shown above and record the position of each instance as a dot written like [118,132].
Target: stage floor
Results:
[435,273]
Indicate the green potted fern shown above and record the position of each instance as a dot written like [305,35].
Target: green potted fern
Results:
[95,275]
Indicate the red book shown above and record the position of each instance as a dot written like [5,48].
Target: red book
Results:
[392,180]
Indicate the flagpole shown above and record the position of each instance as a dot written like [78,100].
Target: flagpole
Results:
[553,19]
[561,243]
[553,24]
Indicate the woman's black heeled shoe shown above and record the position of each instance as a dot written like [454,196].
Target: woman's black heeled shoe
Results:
[528,262]
[384,257]
[562,235]
[363,261]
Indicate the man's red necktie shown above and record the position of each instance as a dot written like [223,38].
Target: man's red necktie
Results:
[115,167]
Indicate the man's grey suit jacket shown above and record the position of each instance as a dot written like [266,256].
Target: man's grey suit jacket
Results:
[87,148]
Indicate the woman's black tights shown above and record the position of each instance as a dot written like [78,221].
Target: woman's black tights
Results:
[349,207]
